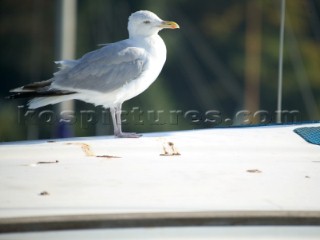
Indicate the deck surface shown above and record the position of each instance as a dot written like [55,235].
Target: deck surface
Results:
[236,169]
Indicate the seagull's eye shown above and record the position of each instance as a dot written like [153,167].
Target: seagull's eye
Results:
[147,22]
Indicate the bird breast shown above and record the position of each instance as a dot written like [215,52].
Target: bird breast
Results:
[155,59]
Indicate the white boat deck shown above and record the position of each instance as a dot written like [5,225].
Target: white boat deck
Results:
[237,169]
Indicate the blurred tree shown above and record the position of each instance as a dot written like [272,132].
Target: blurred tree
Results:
[253,56]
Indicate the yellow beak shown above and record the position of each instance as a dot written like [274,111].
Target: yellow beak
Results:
[169,24]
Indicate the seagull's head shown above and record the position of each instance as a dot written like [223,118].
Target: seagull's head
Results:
[145,23]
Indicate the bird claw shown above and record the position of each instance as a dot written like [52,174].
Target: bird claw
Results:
[128,135]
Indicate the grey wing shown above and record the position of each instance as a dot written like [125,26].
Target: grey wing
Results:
[103,70]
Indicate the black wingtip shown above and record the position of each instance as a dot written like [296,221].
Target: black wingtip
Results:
[50,93]
[37,89]
[19,95]
[10,97]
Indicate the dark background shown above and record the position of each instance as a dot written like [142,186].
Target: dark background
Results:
[223,60]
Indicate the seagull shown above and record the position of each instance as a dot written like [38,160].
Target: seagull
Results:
[110,75]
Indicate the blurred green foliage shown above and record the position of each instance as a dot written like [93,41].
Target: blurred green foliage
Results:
[206,66]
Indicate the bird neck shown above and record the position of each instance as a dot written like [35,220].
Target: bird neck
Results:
[150,40]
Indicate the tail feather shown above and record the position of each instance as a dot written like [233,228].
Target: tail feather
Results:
[43,101]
